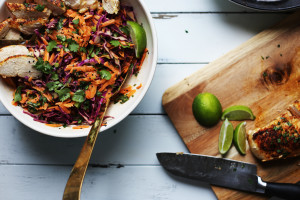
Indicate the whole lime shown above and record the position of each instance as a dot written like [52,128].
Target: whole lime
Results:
[207,109]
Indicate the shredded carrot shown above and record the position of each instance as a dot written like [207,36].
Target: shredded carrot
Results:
[143,58]
[138,87]
[80,127]
[54,125]
[107,23]
[91,91]
[44,41]
[51,59]
[46,55]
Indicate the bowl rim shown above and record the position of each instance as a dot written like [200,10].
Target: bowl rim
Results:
[124,114]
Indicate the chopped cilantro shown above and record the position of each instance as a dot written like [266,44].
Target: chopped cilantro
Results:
[94,28]
[278,140]
[18,96]
[121,98]
[51,45]
[52,86]
[75,21]
[60,23]
[125,30]
[54,77]
[73,47]
[62,4]
[104,74]
[98,93]
[40,8]
[82,49]
[115,43]
[79,96]
[62,38]
[289,123]
[63,94]
[56,65]
[42,66]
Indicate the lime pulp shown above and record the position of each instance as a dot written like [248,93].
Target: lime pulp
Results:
[225,137]
[238,113]
[239,137]
[138,36]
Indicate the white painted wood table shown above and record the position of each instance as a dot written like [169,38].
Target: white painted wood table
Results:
[191,33]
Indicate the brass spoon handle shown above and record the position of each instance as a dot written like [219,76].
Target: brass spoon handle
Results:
[73,186]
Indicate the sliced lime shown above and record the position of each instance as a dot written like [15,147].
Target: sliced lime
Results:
[207,109]
[239,137]
[138,36]
[225,137]
[238,113]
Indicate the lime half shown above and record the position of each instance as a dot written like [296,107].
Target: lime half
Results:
[239,137]
[207,109]
[225,137]
[138,36]
[238,113]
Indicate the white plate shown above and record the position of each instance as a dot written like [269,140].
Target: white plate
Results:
[117,111]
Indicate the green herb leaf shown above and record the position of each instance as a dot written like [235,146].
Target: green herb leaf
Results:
[121,98]
[51,45]
[44,67]
[125,30]
[62,38]
[60,23]
[53,85]
[54,77]
[63,94]
[56,65]
[94,28]
[18,96]
[82,49]
[75,21]
[79,96]
[73,47]
[104,74]
[115,43]
[40,8]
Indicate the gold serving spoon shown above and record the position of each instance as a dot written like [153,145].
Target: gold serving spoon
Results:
[74,184]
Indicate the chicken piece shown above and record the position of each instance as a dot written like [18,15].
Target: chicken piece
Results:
[19,65]
[56,6]
[30,11]
[13,34]
[111,6]
[27,26]
[4,27]
[74,4]
[13,37]
[279,139]
[13,50]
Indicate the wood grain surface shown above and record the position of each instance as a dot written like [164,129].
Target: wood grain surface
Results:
[262,73]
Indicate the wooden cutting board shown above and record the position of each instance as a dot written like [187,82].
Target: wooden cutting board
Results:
[264,74]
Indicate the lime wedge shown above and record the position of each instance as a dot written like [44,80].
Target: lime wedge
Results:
[239,137]
[225,137]
[138,36]
[238,113]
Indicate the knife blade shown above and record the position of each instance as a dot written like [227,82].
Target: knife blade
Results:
[225,173]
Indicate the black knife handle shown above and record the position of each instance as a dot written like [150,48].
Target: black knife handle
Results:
[283,190]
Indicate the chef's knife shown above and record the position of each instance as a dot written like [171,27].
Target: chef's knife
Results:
[225,173]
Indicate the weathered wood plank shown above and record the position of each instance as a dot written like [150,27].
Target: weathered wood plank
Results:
[126,183]
[201,38]
[135,140]
[195,6]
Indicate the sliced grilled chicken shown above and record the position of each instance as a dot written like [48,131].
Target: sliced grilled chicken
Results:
[13,34]
[111,6]
[19,65]
[13,50]
[74,4]
[4,27]
[27,26]
[30,11]
[56,6]
[13,37]
[279,139]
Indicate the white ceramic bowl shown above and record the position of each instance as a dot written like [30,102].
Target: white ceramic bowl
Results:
[117,111]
